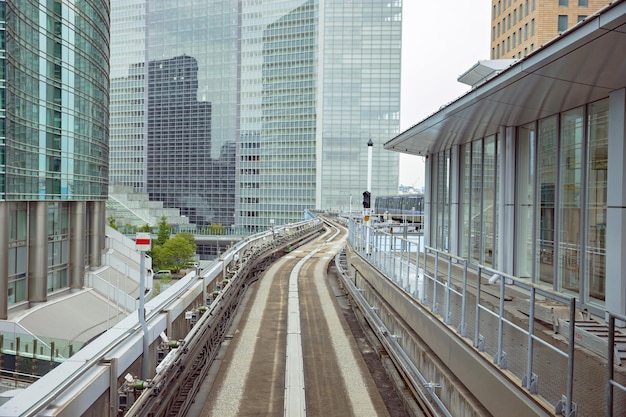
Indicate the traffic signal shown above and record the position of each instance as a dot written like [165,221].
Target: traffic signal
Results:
[366,199]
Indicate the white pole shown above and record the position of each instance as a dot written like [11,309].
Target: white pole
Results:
[142,316]
[370,148]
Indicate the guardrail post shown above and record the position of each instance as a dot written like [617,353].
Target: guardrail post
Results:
[501,356]
[447,317]
[423,300]
[435,281]
[477,323]
[609,365]
[530,377]
[462,329]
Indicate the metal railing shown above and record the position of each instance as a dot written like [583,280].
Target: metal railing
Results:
[612,383]
[463,297]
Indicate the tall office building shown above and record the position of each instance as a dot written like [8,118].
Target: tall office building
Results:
[295,88]
[53,146]
[518,27]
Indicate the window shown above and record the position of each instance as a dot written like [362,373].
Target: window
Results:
[532,27]
[581,17]
[582,3]
[526,31]
[562,25]
[563,3]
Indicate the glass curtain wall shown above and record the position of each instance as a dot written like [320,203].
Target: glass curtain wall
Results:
[570,169]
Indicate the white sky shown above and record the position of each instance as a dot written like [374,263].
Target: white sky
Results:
[440,41]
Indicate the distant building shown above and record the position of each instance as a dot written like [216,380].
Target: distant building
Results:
[53,146]
[296,89]
[518,27]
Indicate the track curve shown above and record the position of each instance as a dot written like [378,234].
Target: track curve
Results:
[335,378]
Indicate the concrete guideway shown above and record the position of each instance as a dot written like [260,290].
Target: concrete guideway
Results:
[292,353]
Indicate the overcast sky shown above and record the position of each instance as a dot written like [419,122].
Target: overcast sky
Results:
[441,40]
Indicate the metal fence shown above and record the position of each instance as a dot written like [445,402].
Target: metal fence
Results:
[499,314]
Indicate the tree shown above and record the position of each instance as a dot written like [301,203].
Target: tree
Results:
[111,221]
[164,232]
[175,253]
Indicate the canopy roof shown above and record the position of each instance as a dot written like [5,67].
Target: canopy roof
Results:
[582,65]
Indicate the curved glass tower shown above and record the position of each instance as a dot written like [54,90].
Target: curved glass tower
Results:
[53,145]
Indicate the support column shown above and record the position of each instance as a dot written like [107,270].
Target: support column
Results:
[38,252]
[96,232]
[616,206]
[506,200]
[4,259]
[78,210]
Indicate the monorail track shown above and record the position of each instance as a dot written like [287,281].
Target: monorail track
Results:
[257,375]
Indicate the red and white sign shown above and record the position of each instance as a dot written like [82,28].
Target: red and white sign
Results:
[143,242]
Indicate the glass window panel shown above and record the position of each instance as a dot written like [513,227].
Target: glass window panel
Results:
[466,159]
[597,169]
[570,175]
[488,204]
[475,208]
[546,177]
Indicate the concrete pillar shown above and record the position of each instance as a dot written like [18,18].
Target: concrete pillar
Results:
[455,197]
[78,211]
[38,252]
[96,232]
[4,259]
[616,206]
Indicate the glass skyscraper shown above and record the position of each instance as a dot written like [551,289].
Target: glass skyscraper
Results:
[287,95]
[54,123]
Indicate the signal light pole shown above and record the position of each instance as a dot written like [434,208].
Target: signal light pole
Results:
[367,195]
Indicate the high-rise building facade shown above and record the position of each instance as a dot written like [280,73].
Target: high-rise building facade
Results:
[518,27]
[53,146]
[295,88]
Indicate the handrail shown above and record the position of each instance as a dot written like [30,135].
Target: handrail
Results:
[392,256]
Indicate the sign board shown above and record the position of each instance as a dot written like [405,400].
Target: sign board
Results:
[143,242]
[366,214]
